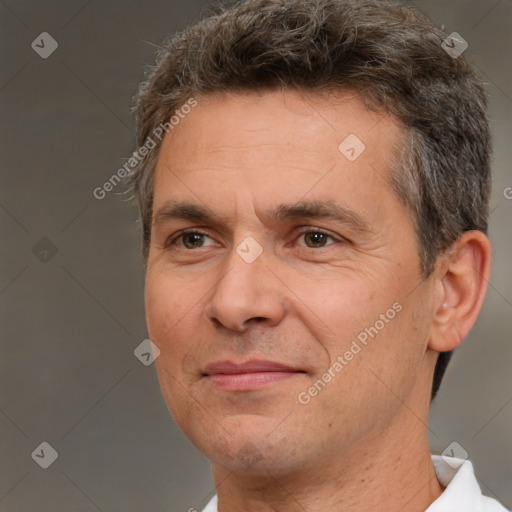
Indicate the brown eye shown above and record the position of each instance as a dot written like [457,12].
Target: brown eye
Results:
[192,240]
[314,239]
[189,240]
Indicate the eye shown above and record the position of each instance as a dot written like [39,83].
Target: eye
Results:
[315,239]
[188,240]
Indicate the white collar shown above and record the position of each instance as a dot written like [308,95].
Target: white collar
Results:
[462,491]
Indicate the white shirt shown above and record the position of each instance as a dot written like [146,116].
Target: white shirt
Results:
[462,492]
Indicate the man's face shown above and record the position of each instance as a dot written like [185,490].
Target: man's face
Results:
[277,253]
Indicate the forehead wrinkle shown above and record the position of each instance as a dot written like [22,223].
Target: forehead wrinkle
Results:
[232,169]
[295,148]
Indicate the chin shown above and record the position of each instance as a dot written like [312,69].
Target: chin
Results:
[251,460]
[252,450]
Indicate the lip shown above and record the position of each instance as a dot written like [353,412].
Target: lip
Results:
[249,375]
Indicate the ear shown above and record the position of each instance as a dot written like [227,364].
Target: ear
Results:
[461,282]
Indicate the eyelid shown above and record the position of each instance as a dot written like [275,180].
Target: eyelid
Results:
[315,229]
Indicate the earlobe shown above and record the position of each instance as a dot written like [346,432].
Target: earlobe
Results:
[462,284]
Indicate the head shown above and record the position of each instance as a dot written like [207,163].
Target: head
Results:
[272,89]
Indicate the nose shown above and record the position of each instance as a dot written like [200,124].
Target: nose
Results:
[248,293]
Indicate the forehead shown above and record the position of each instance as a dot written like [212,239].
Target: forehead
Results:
[298,121]
[289,139]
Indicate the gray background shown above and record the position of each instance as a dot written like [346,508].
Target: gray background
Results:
[70,321]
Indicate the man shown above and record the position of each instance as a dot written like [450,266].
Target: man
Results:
[314,183]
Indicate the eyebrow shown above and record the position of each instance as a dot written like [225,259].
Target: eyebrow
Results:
[171,210]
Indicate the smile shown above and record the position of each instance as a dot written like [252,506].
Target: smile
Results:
[251,375]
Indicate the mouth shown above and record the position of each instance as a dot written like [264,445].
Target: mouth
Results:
[250,375]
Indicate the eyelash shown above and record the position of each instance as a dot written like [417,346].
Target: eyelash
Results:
[172,240]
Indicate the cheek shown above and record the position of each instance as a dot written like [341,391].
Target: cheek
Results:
[170,327]
[390,362]
[373,379]
[169,312]
[168,305]
[380,339]
[337,308]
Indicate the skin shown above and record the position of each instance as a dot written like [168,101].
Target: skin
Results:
[361,442]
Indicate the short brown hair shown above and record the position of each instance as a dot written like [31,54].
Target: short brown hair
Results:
[388,54]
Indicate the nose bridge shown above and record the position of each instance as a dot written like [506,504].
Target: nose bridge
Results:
[248,290]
